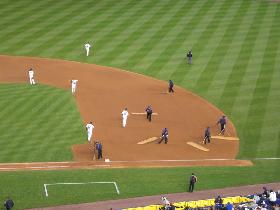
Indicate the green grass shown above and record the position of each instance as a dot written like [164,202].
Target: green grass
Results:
[38,123]
[236,67]
[27,188]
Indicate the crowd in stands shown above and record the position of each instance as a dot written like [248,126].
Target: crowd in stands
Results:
[266,200]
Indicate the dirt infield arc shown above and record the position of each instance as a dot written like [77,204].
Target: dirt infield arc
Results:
[103,92]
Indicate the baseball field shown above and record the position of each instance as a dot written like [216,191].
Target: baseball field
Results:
[236,51]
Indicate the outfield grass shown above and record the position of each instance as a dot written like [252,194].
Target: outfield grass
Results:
[38,123]
[236,66]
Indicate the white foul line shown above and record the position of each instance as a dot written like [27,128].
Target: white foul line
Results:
[67,183]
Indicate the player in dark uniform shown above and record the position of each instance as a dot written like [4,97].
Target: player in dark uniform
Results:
[149,112]
[193,180]
[171,85]
[164,136]
[207,135]
[98,147]
[222,121]
[189,56]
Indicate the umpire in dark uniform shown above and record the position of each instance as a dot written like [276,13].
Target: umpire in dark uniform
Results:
[207,135]
[189,57]
[170,85]
[222,121]
[192,181]
[98,146]
[164,136]
[149,112]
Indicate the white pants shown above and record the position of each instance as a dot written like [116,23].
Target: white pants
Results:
[124,121]
[89,134]
[87,50]
[74,88]
[31,80]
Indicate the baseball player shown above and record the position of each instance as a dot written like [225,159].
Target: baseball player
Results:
[189,56]
[124,117]
[74,85]
[87,47]
[222,121]
[164,136]
[89,129]
[31,76]
[149,112]
[207,135]
[170,84]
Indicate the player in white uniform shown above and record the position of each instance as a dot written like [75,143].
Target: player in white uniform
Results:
[74,85]
[89,128]
[31,76]
[87,46]
[124,117]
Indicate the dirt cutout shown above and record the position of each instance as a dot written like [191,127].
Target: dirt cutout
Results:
[102,94]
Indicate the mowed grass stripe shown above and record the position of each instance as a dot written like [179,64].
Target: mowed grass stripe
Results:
[130,32]
[162,52]
[7,8]
[124,19]
[19,34]
[208,41]
[44,38]
[215,59]
[271,129]
[34,105]
[21,14]
[238,71]
[156,32]
[64,33]
[138,33]
[164,30]
[250,77]
[233,48]
[204,45]
[43,132]
[91,29]
[74,42]
[153,20]
[259,102]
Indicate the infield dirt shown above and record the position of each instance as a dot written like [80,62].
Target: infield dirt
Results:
[102,94]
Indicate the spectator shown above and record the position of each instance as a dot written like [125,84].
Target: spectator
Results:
[9,203]
[265,192]
[229,206]
[165,203]
[218,203]
[272,198]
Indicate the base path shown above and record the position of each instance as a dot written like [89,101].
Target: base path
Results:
[102,94]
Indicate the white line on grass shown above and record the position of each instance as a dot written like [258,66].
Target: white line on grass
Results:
[267,158]
[69,183]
